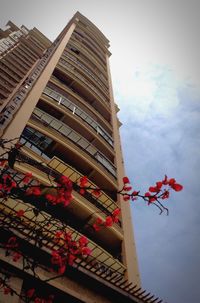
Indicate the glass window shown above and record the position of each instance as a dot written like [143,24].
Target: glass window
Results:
[91,149]
[56,124]
[74,136]
[65,130]
[83,143]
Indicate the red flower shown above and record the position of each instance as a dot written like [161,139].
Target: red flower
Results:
[152,199]
[58,234]
[56,258]
[16,256]
[165,181]
[86,251]
[109,221]
[62,269]
[153,189]
[97,224]
[30,292]
[71,259]
[96,192]
[27,177]
[20,213]
[115,219]
[82,191]
[51,198]
[8,184]
[99,221]
[6,290]
[177,187]
[134,194]
[83,241]
[116,212]
[83,181]
[64,180]
[36,191]
[171,181]
[156,189]
[159,184]
[127,188]
[126,197]
[165,195]
[126,180]
[96,227]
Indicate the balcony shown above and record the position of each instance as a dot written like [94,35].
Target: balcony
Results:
[56,167]
[88,72]
[100,263]
[66,131]
[88,45]
[76,110]
[72,70]
[14,104]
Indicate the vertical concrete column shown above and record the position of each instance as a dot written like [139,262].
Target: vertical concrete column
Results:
[20,119]
[129,254]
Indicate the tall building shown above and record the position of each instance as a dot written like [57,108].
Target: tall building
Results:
[58,99]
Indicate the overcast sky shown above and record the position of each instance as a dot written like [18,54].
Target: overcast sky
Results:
[155,65]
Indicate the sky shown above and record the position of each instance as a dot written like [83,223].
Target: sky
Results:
[155,58]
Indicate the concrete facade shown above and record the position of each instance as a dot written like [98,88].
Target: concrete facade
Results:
[58,99]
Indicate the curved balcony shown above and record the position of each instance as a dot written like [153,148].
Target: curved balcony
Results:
[100,262]
[84,41]
[87,71]
[76,110]
[73,43]
[83,211]
[18,98]
[76,73]
[56,167]
[88,105]
[91,40]
[76,138]
[83,47]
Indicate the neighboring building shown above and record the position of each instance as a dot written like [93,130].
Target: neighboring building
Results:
[57,97]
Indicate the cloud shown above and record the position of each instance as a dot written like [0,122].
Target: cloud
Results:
[164,138]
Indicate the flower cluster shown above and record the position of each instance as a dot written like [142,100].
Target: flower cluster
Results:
[84,185]
[69,252]
[108,222]
[6,184]
[63,194]
[31,294]
[157,192]
[12,248]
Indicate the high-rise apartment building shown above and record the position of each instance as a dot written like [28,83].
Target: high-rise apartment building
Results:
[57,98]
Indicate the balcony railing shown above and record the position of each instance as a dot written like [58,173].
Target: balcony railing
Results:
[56,168]
[75,176]
[75,137]
[98,263]
[72,70]
[78,63]
[79,112]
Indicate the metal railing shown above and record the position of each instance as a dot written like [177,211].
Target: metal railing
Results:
[71,69]
[79,112]
[99,261]
[75,137]
[83,67]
